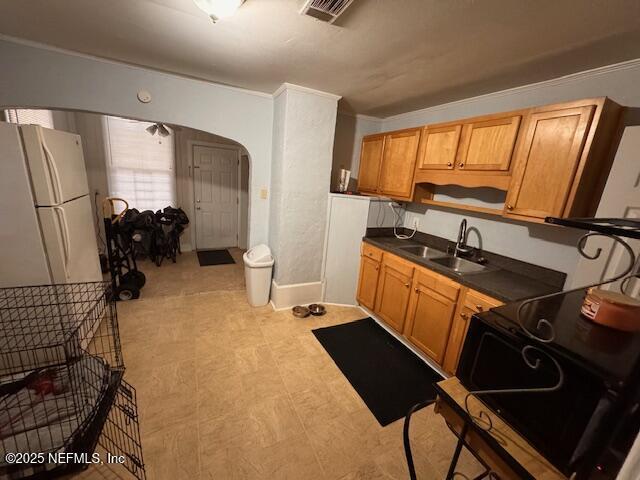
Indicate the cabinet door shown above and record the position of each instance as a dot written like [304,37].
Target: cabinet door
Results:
[398,164]
[368,283]
[546,162]
[438,147]
[394,289]
[370,162]
[488,145]
[470,302]
[459,327]
[429,320]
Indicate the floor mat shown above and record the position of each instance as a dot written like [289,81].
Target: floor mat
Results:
[389,378]
[214,257]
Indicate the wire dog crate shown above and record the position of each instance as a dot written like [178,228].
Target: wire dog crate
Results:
[61,385]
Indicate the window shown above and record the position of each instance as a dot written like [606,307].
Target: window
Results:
[24,116]
[141,166]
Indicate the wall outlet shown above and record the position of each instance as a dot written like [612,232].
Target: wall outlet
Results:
[415,223]
[263,193]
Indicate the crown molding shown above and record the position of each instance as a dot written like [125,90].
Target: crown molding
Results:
[572,77]
[111,61]
[292,86]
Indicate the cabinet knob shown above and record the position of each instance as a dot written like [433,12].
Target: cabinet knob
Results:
[377,267]
[417,290]
[407,285]
[479,308]
[509,207]
[449,164]
[461,165]
[464,316]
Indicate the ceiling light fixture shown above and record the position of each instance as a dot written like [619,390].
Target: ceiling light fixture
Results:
[218,9]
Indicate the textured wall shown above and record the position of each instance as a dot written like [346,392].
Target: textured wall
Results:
[36,77]
[304,126]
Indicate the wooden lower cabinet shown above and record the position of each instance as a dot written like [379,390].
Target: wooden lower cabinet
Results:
[428,309]
[430,313]
[470,302]
[369,274]
[394,289]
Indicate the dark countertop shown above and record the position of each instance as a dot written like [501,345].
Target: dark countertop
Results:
[506,279]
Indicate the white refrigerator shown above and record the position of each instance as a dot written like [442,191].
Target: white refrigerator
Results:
[46,234]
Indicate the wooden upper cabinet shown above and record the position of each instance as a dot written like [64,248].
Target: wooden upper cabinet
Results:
[369,274]
[547,160]
[398,163]
[394,289]
[488,144]
[370,162]
[438,147]
[430,313]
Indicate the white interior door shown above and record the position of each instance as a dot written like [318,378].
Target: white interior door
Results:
[215,177]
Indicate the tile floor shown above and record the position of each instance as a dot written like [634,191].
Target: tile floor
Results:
[226,391]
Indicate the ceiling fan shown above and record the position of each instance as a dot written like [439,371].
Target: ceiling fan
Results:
[159,128]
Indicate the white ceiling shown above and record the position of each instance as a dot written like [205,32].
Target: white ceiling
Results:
[383,56]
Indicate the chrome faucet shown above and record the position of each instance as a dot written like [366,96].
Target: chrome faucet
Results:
[461,247]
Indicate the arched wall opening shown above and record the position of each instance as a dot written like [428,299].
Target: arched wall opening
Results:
[104,152]
[51,79]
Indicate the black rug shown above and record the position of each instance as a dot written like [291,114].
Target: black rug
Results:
[389,378]
[214,257]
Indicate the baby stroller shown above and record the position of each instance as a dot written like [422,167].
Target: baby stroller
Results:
[126,279]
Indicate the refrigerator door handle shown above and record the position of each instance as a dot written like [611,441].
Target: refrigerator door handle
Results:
[64,228]
[53,169]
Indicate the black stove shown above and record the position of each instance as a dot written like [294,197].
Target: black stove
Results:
[586,426]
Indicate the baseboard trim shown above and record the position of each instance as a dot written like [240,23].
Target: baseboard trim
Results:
[287,296]
[406,343]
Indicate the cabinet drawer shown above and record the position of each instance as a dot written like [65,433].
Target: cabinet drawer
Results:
[438,283]
[372,252]
[479,302]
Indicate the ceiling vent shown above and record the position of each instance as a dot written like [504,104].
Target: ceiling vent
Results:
[325,10]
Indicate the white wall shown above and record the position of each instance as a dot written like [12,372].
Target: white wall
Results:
[304,127]
[46,78]
[540,244]
[90,127]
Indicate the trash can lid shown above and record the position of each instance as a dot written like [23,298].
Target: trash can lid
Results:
[258,256]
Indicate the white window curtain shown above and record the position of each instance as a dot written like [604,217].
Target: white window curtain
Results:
[24,116]
[141,165]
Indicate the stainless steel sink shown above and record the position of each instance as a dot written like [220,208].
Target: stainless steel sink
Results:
[459,265]
[422,251]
